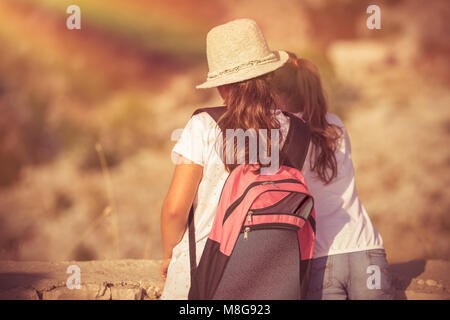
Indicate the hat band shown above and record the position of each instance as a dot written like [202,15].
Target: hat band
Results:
[270,58]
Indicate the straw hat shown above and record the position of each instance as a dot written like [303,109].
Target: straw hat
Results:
[238,51]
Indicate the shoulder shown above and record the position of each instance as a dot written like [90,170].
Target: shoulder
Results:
[202,116]
[201,122]
[334,119]
[344,141]
[195,138]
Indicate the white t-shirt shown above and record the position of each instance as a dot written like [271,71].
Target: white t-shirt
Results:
[342,222]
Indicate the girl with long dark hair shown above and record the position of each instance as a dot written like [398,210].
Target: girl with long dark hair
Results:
[349,257]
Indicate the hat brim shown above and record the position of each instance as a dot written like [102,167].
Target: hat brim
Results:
[247,73]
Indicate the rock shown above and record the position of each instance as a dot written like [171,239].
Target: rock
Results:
[121,293]
[99,280]
[420,282]
[19,294]
[431,283]
[152,293]
[414,295]
[86,292]
[104,293]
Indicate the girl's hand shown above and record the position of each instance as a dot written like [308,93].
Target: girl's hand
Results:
[164,266]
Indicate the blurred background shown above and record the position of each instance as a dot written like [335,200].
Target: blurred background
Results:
[86,115]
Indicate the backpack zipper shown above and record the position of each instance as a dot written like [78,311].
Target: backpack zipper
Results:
[266,226]
[249,216]
[250,186]
[246,231]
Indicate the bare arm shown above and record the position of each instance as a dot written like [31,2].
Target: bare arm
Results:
[175,210]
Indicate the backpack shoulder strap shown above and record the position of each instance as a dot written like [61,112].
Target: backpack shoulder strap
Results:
[215,113]
[192,242]
[297,142]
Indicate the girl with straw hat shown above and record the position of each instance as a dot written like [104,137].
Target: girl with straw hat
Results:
[240,67]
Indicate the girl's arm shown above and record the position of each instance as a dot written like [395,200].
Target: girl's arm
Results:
[175,210]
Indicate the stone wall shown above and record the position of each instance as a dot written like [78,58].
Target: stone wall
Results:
[139,280]
[122,279]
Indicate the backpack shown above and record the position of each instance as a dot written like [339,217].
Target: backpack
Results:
[262,221]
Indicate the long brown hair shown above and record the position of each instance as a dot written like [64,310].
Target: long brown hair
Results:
[299,87]
[250,105]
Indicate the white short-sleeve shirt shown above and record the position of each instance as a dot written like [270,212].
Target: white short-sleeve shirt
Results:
[342,222]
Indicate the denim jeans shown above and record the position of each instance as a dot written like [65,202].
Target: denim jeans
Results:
[362,275]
